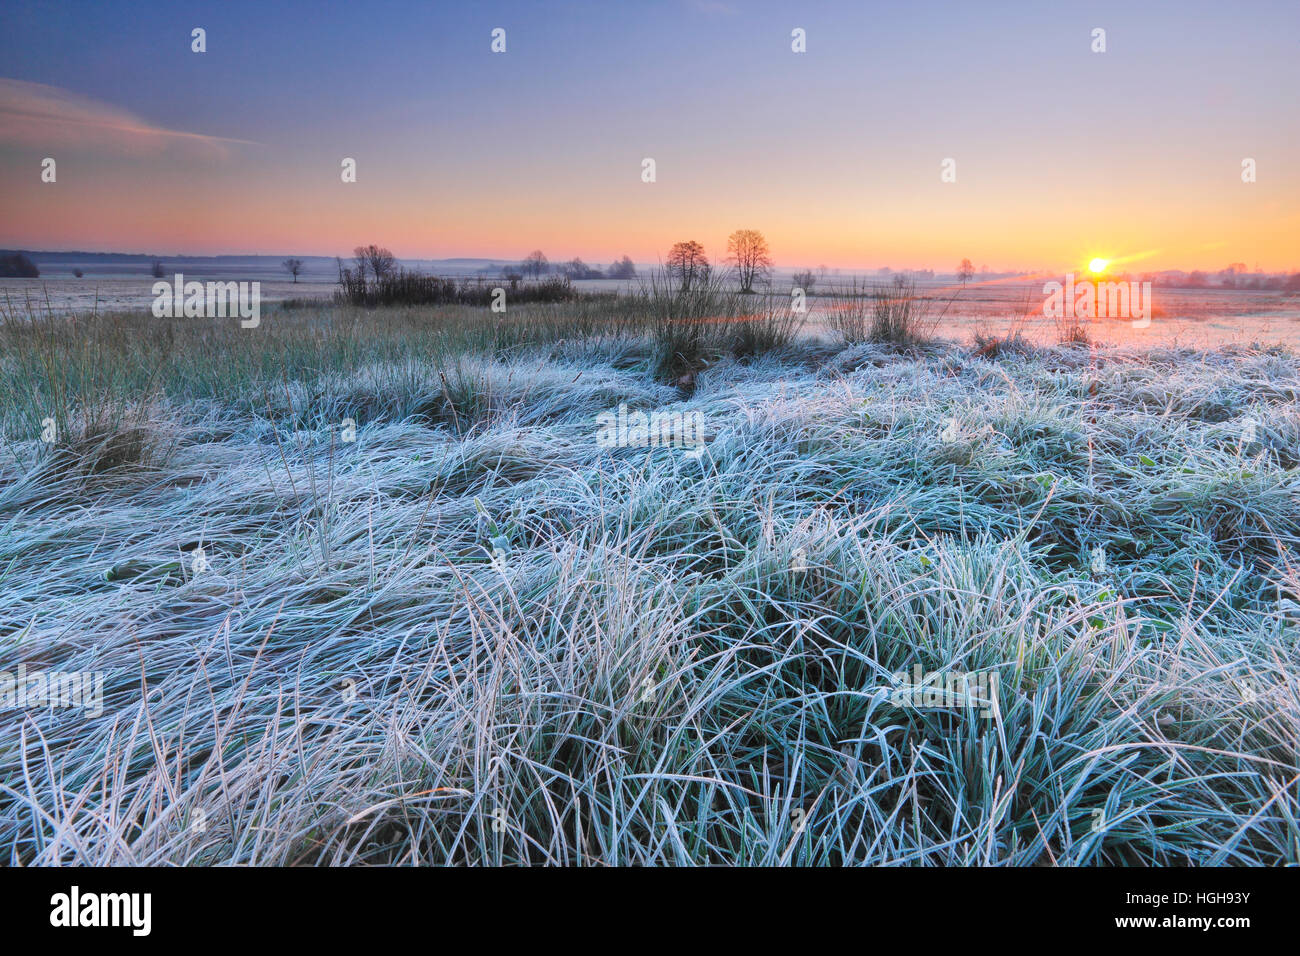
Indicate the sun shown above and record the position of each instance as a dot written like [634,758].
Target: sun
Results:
[1098,265]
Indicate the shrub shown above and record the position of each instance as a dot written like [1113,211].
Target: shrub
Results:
[403,287]
[16,265]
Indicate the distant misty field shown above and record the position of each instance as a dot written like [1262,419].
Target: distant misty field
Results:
[1194,317]
[647,580]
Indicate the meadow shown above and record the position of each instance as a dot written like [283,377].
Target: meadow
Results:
[364,587]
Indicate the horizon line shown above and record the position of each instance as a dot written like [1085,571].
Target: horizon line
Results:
[511,260]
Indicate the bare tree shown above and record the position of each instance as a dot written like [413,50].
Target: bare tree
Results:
[621,269]
[378,260]
[577,269]
[1228,276]
[352,282]
[747,251]
[965,271]
[293,267]
[687,263]
[535,263]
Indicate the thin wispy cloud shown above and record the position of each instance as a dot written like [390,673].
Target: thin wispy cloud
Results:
[34,114]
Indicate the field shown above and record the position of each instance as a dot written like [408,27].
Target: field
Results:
[1197,318]
[369,587]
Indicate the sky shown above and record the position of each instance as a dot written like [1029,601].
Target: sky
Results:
[836,154]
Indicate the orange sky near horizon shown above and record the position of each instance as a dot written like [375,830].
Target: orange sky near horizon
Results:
[927,226]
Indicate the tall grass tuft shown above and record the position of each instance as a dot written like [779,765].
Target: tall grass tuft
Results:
[768,324]
[689,324]
[890,314]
